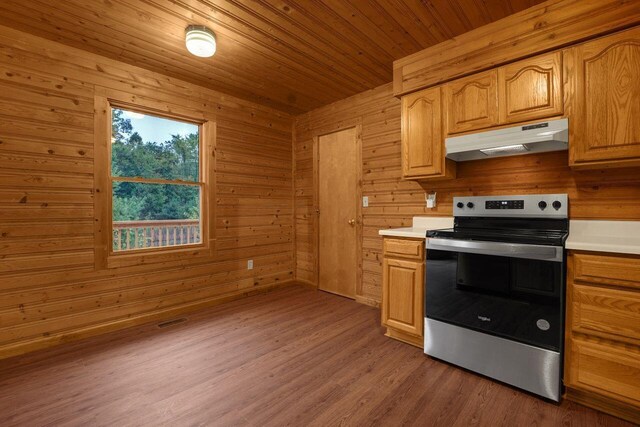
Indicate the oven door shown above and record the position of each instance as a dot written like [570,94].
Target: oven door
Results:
[514,291]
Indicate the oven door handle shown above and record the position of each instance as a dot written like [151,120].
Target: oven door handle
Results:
[514,250]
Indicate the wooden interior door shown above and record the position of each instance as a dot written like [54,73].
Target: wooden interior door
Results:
[338,194]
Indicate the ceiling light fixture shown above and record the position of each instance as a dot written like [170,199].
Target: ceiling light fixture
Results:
[200,41]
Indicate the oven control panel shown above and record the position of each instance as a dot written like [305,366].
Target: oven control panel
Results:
[504,204]
[530,205]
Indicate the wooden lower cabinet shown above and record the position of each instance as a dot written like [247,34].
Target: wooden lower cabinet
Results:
[403,289]
[602,349]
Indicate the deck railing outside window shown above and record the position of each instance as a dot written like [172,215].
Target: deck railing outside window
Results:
[157,183]
[155,234]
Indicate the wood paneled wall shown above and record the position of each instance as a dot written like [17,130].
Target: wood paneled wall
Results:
[607,194]
[49,289]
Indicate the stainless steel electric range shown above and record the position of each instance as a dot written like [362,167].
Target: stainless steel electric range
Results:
[494,298]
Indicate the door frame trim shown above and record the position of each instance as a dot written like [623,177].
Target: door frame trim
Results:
[357,124]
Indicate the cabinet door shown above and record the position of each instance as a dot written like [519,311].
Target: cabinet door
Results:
[605,369]
[603,95]
[610,313]
[472,102]
[530,89]
[422,139]
[402,295]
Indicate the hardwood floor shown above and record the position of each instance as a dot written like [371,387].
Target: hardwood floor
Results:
[290,357]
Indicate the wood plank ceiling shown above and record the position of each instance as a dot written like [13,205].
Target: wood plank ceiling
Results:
[293,55]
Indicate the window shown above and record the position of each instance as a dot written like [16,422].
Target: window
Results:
[157,181]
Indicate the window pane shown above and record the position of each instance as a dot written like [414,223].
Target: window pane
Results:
[155,215]
[153,147]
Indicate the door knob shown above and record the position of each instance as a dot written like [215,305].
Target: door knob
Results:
[352,222]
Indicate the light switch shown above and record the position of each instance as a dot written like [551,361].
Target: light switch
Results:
[250,264]
[365,202]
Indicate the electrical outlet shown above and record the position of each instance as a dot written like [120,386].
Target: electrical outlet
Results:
[250,264]
[365,202]
[431,200]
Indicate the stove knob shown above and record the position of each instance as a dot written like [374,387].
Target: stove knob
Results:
[470,205]
[460,205]
[542,204]
[556,205]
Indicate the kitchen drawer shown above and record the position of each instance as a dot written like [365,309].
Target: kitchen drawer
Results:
[604,269]
[612,313]
[405,248]
[605,368]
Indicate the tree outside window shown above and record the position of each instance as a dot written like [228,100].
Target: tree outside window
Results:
[156,181]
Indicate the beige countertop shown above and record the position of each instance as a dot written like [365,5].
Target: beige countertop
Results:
[621,237]
[420,226]
[599,236]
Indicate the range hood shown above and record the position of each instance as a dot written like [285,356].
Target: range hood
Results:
[552,135]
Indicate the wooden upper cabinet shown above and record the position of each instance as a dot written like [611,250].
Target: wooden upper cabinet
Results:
[602,92]
[472,102]
[530,89]
[519,92]
[422,136]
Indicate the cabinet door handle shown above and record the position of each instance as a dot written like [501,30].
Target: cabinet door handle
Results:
[352,222]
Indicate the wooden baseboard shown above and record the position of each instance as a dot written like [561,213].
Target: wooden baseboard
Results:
[367,301]
[604,404]
[358,298]
[40,343]
[306,283]
[406,338]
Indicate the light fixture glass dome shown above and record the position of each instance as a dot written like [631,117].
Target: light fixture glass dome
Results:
[200,41]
